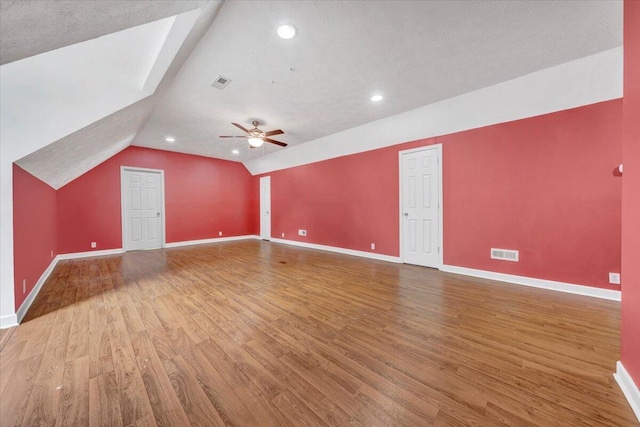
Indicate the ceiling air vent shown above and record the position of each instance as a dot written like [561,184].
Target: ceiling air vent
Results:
[505,254]
[221,82]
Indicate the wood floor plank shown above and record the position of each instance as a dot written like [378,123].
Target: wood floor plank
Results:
[15,397]
[37,340]
[104,405]
[229,405]
[134,403]
[43,401]
[8,358]
[74,394]
[164,402]
[252,333]
[194,400]
[296,411]
[5,334]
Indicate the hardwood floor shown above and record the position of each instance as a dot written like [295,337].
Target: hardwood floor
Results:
[252,333]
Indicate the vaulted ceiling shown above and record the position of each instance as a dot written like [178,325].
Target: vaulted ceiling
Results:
[316,84]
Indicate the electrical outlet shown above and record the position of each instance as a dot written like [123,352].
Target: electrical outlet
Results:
[283,235]
[24,286]
[93,245]
[373,246]
[302,232]
[219,233]
[614,278]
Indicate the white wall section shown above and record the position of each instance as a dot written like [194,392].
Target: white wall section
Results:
[168,45]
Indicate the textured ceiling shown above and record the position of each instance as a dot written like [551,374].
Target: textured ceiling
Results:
[31,27]
[78,152]
[49,96]
[319,83]
[72,156]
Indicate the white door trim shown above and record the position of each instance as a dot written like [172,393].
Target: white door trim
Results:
[438,148]
[163,233]
[265,179]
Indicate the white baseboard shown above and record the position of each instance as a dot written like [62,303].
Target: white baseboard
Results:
[353,252]
[8,321]
[536,283]
[212,240]
[628,387]
[36,289]
[14,319]
[89,254]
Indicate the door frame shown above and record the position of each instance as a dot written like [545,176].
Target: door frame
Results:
[438,148]
[124,169]
[268,179]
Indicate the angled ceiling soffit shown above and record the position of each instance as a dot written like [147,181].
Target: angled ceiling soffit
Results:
[64,160]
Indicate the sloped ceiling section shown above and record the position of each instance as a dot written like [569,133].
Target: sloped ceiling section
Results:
[66,159]
[61,160]
[584,81]
[414,53]
[31,27]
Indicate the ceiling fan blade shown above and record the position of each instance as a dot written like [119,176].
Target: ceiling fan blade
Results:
[274,132]
[240,127]
[229,136]
[273,141]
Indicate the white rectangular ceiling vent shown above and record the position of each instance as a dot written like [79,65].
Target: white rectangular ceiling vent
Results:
[221,82]
[505,254]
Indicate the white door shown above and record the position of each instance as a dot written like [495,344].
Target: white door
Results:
[420,199]
[265,208]
[143,209]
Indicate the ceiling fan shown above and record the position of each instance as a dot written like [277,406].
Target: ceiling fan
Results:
[256,137]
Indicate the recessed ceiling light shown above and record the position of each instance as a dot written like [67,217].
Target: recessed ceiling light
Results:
[170,139]
[287,31]
[235,151]
[376,98]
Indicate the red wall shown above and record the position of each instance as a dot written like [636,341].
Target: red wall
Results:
[543,185]
[348,202]
[34,230]
[202,197]
[631,193]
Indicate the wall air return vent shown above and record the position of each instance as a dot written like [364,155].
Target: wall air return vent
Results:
[221,82]
[505,254]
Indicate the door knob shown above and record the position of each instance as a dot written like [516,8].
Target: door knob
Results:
[158,214]
[406,214]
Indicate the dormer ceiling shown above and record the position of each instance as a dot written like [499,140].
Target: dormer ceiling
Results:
[321,81]
[32,27]
[66,110]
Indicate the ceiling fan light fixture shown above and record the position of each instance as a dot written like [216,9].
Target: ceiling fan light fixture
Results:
[287,31]
[256,142]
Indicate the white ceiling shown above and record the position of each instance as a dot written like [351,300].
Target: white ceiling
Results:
[31,27]
[319,83]
[414,53]
[40,103]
